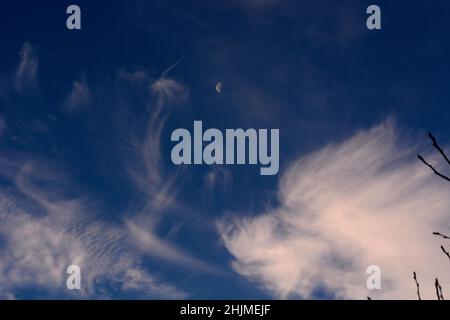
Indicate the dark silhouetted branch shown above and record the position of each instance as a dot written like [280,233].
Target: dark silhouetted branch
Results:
[432,168]
[446,252]
[441,151]
[438,287]
[438,148]
[438,290]
[441,235]
[417,285]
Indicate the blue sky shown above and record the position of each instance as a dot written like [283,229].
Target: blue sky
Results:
[85,123]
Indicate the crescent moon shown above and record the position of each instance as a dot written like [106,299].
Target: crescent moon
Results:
[219,87]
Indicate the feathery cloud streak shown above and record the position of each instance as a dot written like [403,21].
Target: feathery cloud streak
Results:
[365,201]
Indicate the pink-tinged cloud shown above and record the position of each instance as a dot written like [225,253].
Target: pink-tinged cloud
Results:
[365,201]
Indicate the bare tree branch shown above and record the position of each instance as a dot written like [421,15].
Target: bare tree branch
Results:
[438,148]
[438,290]
[417,285]
[432,168]
[442,152]
[438,287]
[441,235]
[446,252]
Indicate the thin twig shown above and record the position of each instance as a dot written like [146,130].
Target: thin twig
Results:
[441,235]
[438,290]
[446,252]
[442,152]
[432,168]
[436,145]
[417,285]
[436,285]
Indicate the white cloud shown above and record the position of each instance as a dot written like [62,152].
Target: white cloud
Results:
[43,230]
[147,171]
[160,189]
[217,179]
[149,243]
[169,91]
[365,201]
[43,233]
[26,74]
[157,187]
[78,97]
[24,80]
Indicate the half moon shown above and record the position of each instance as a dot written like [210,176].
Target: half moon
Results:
[219,87]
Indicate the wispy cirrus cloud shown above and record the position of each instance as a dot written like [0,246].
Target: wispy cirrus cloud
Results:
[148,175]
[46,225]
[364,201]
[217,179]
[160,96]
[79,96]
[25,78]
[149,243]
[45,232]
